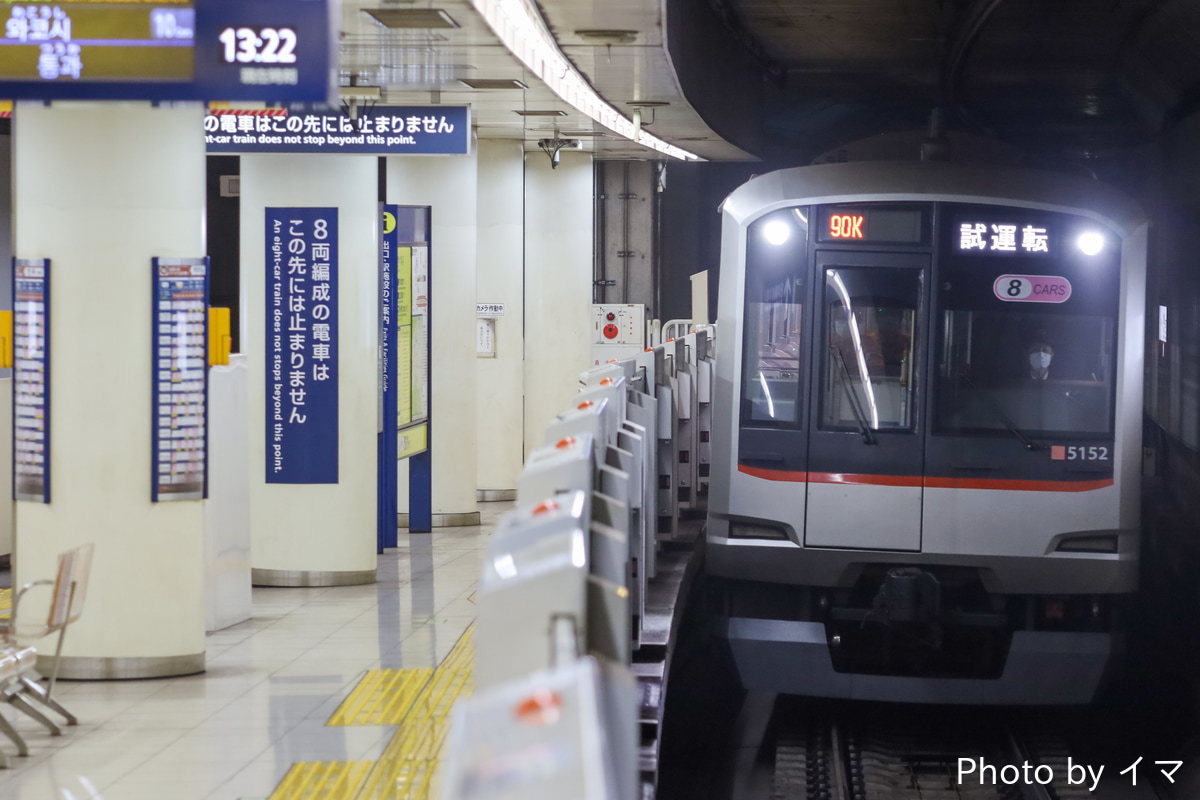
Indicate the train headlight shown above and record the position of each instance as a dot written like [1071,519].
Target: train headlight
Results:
[1090,242]
[777,231]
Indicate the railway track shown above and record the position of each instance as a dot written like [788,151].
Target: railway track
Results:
[874,754]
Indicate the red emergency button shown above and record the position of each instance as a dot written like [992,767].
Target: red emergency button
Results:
[611,316]
[611,331]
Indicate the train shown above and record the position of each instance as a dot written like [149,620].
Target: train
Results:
[926,438]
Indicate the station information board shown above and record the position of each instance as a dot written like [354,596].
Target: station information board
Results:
[179,377]
[271,50]
[31,379]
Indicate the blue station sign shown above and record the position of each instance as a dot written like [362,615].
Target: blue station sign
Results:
[383,130]
[302,345]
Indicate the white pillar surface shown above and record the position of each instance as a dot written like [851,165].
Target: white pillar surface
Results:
[100,189]
[317,534]
[499,278]
[448,184]
[558,286]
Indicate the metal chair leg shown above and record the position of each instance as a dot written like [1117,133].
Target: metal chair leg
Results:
[23,705]
[41,695]
[8,730]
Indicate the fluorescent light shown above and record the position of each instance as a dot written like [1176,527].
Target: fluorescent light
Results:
[548,112]
[776,231]
[519,25]
[1090,243]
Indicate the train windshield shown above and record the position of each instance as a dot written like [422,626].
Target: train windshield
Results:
[1035,373]
[869,331]
[1027,324]
[776,250]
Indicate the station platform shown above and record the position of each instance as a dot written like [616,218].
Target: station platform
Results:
[324,693]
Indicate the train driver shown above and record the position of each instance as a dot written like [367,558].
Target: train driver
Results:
[1040,354]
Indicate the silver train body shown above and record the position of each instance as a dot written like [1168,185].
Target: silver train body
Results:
[927,422]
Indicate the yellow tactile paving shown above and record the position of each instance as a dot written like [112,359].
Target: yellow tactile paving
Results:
[407,769]
[419,703]
[5,603]
[329,780]
[382,697]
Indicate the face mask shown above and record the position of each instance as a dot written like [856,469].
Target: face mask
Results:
[1040,360]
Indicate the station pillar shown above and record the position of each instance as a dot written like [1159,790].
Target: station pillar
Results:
[100,189]
[559,209]
[500,280]
[448,185]
[319,533]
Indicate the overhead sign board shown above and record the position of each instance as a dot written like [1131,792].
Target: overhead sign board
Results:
[269,50]
[383,130]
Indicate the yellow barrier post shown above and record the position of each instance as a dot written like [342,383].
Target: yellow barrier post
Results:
[6,339]
[220,342]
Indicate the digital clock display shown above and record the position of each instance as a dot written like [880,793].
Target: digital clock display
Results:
[891,224]
[264,46]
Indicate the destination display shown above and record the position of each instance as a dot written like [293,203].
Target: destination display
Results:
[179,401]
[31,379]
[1002,237]
[890,225]
[271,50]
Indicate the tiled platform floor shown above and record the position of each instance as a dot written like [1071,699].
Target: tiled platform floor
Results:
[271,685]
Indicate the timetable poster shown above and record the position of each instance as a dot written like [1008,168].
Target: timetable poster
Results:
[31,379]
[302,345]
[179,433]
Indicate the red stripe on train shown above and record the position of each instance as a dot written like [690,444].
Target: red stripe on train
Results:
[774,474]
[912,481]
[849,479]
[1002,484]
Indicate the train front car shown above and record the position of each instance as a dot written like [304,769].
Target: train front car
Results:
[927,432]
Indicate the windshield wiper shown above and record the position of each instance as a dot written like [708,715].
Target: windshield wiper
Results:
[998,414]
[844,379]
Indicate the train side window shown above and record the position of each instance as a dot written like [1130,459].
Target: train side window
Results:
[868,375]
[776,264]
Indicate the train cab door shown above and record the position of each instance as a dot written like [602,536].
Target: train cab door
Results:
[866,445]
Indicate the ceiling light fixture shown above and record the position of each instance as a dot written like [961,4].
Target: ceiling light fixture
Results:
[542,113]
[411,18]
[493,83]
[519,26]
[607,36]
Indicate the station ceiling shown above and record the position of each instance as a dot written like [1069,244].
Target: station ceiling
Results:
[1086,84]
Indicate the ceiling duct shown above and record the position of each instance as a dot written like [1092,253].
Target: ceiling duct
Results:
[410,18]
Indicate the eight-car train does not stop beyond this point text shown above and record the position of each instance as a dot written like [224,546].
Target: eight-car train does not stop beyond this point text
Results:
[927,432]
